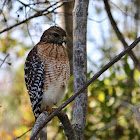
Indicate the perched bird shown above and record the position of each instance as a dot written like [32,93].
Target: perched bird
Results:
[47,71]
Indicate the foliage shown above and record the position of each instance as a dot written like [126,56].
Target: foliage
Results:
[109,101]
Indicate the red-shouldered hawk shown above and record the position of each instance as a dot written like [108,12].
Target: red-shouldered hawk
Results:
[47,70]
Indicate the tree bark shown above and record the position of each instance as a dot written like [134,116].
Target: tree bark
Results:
[80,65]
[68,129]
[67,23]
[43,134]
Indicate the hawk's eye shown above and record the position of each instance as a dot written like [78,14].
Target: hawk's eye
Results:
[56,35]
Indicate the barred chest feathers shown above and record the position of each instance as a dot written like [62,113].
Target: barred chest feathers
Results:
[56,73]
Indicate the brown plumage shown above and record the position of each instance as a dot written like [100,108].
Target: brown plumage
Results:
[47,70]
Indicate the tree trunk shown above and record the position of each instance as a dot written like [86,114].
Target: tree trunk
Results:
[80,65]
[67,23]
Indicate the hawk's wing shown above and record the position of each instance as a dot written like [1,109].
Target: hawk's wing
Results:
[34,79]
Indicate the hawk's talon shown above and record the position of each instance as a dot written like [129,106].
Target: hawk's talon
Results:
[49,110]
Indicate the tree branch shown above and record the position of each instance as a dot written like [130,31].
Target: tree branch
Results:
[39,2]
[68,129]
[114,60]
[42,134]
[121,9]
[22,134]
[119,34]
[27,5]
[39,122]
[1,10]
[4,60]
[69,132]
[40,13]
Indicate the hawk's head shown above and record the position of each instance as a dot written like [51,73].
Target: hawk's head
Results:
[54,35]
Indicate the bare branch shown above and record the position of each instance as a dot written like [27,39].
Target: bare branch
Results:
[69,132]
[43,134]
[1,10]
[27,5]
[22,134]
[39,2]
[29,30]
[98,21]
[4,60]
[68,129]
[22,3]
[5,20]
[35,3]
[29,34]
[47,118]
[119,35]
[40,13]
[38,124]
[121,9]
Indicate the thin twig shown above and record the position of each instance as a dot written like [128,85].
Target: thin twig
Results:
[4,60]
[22,134]
[27,5]
[3,5]
[119,34]
[5,20]
[28,29]
[98,21]
[29,34]
[46,1]
[114,60]
[40,13]
[120,9]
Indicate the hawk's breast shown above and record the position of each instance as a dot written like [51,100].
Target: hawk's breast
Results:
[56,73]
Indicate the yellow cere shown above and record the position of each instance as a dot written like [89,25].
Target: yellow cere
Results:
[64,37]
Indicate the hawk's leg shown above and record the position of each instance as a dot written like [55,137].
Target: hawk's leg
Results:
[49,110]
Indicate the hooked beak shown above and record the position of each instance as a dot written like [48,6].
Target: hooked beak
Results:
[64,39]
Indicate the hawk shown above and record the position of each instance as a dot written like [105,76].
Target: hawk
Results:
[47,71]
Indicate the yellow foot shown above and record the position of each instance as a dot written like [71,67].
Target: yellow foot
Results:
[49,110]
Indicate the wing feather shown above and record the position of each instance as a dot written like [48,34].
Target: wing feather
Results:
[34,77]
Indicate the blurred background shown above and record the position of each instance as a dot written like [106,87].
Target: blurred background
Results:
[114,99]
